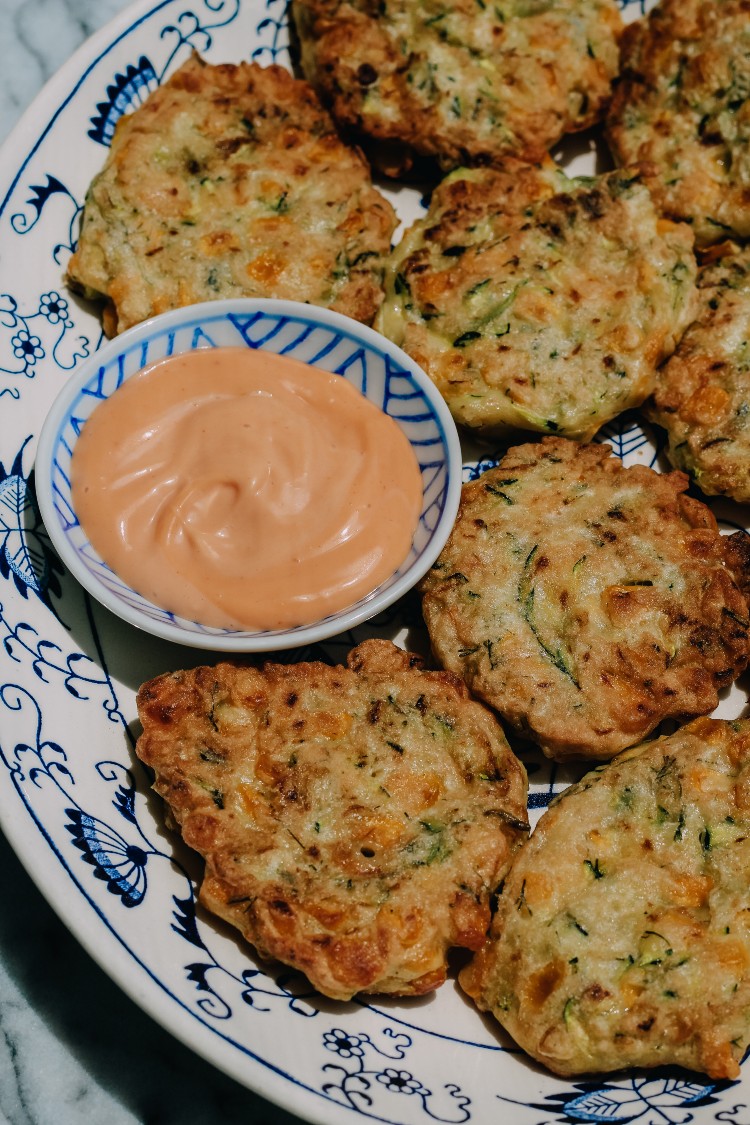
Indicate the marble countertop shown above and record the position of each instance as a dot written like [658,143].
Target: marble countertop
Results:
[74,1050]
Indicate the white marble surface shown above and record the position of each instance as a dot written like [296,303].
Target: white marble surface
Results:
[36,38]
[74,1050]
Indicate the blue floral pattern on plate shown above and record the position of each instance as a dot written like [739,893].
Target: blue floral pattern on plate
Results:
[74,802]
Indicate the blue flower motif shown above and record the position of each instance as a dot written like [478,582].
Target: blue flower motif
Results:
[54,307]
[127,92]
[120,865]
[27,347]
[471,470]
[641,1098]
[348,1046]
[399,1081]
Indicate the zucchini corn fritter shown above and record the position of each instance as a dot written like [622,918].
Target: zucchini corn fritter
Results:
[587,602]
[622,935]
[354,821]
[683,108]
[230,181]
[457,80]
[536,302]
[703,394]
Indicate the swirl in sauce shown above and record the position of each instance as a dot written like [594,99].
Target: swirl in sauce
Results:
[246,490]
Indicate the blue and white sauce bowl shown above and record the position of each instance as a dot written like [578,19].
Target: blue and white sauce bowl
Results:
[316,336]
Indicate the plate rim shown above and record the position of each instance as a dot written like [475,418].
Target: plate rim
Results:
[152,996]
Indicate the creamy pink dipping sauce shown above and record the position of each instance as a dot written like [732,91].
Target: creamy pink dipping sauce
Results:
[245,490]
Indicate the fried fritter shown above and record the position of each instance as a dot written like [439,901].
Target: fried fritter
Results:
[541,303]
[622,936]
[683,106]
[230,181]
[703,395]
[461,81]
[585,601]
[354,821]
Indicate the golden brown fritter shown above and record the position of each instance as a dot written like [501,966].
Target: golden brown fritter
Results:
[354,821]
[622,936]
[459,80]
[230,181]
[683,106]
[585,601]
[536,302]
[703,394]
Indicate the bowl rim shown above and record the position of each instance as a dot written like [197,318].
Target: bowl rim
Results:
[244,641]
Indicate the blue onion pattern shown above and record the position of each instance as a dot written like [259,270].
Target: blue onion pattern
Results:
[275,29]
[666,1098]
[363,1082]
[26,555]
[122,866]
[45,332]
[65,205]
[189,32]
[126,93]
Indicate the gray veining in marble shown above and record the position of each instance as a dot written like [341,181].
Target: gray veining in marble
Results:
[36,38]
[74,1050]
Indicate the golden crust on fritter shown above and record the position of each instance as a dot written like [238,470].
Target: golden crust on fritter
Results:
[461,81]
[230,181]
[536,302]
[622,936]
[585,601]
[683,105]
[354,821]
[703,394]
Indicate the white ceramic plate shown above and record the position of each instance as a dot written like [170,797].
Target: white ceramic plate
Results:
[73,801]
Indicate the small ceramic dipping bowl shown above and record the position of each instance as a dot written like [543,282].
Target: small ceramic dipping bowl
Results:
[315,336]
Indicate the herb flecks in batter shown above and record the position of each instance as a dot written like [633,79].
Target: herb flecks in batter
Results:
[231,181]
[651,965]
[592,619]
[701,396]
[464,83]
[526,596]
[681,110]
[531,299]
[354,820]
